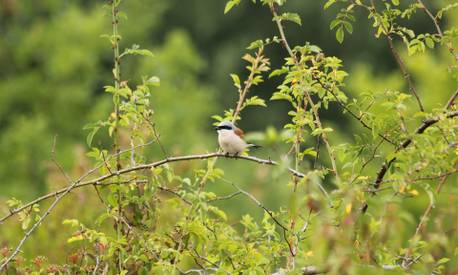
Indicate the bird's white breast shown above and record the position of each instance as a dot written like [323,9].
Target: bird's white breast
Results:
[230,142]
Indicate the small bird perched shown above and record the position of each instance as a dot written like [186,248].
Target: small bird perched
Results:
[230,139]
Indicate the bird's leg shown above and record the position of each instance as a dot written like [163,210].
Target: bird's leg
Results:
[226,154]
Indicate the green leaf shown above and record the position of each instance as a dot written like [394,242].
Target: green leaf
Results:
[348,26]
[429,42]
[328,4]
[76,238]
[255,44]
[319,131]
[230,4]
[71,222]
[278,72]
[236,80]
[443,261]
[290,16]
[310,152]
[91,135]
[254,101]
[281,96]
[135,50]
[154,81]
[218,212]
[334,23]
[340,34]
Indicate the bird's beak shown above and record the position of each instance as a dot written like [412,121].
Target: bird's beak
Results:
[216,128]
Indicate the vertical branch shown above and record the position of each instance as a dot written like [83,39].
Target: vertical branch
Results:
[116,74]
[371,9]
[116,141]
[285,44]
[248,83]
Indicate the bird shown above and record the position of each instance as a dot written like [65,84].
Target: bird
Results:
[230,139]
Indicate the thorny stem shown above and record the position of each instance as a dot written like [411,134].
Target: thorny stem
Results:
[117,81]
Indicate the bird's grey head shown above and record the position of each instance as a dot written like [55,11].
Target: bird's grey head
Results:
[225,125]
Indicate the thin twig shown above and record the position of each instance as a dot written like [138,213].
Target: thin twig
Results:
[404,71]
[449,44]
[358,118]
[428,210]
[228,197]
[425,178]
[258,203]
[156,135]
[451,100]
[168,190]
[268,211]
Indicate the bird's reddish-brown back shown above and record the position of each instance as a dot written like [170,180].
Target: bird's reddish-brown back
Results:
[238,132]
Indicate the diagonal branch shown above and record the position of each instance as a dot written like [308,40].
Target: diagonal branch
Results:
[404,71]
[258,203]
[347,109]
[285,44]
[449,44]
[420,130]
[100,180]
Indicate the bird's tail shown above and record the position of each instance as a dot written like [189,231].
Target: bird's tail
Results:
[251,145]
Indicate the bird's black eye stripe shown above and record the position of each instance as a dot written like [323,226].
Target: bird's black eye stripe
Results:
[224,127]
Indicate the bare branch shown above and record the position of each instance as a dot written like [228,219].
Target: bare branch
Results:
[228,197]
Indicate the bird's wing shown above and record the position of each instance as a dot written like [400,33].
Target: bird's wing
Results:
[238,132]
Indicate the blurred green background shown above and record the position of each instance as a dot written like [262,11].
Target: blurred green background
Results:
[55,64]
